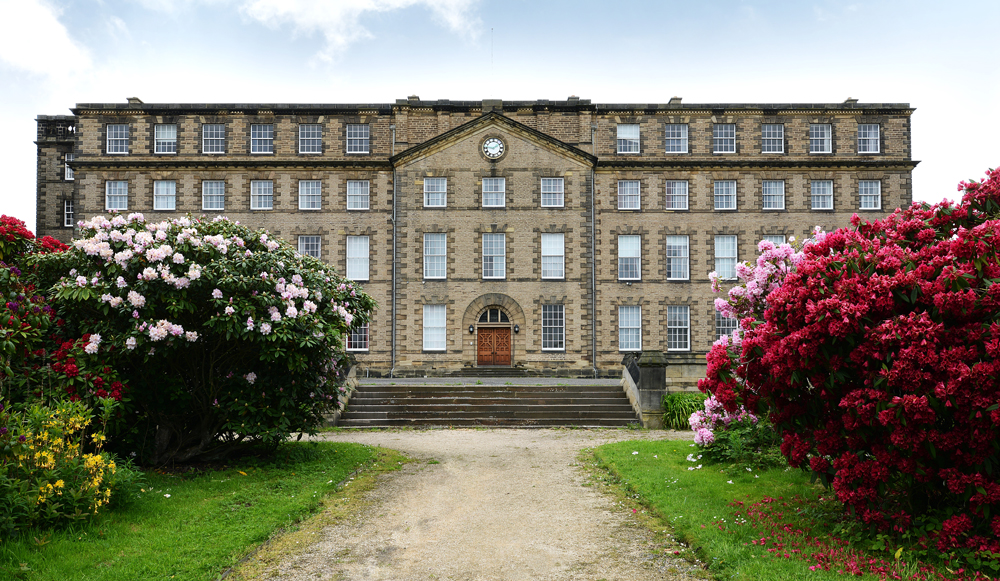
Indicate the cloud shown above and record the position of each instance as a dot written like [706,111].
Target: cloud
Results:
[21,46]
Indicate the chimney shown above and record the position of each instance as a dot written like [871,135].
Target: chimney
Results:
[134,101]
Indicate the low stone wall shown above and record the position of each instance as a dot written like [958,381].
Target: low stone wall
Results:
[331,419]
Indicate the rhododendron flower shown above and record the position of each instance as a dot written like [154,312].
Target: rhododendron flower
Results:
[265,328]
[250,377]
[216,294]
[136,299]
[178,258]
[130,343]
[250,324]
[81,281]
[191,336]
[230,310]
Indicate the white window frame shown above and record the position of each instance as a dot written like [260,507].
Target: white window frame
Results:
[69,216]
[67,170]
[553,327]
[164,195]
[724,138]
[435,255]
[869,194]
[629,328]
[553,256]
[261,195]
[262,138]
[820,138]
[678,328]
[435,328]
[627,199]
[358,195]
[211,199]
[675,138]
[310,138]
[358,253]
[496,245]
[213,138]
[310,245]
[310,195]
[726,253]
[553,192]
[628,138]
[868,138]
[772,194]
[776,239]
[772,138]
[677,195]
[678,257]
[821,194]
[116,195]
[725,199]
[358,138]
[724,326]
[435,187]
[358,338]
[117,139]
[163,142]
[629,258]
[494,192]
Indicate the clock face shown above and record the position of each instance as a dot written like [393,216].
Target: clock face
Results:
[493,147]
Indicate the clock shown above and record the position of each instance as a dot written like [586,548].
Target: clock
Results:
[493,147]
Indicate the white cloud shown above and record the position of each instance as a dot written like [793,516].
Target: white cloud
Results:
[117,29]
[33,39]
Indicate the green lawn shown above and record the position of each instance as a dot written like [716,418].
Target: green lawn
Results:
[191,526]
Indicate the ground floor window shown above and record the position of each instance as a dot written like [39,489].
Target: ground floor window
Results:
[629,328]
[357,338]
[434,328]
[553,327]
[724,326]
[678,328]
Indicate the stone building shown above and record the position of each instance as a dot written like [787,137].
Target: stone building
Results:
[548,237]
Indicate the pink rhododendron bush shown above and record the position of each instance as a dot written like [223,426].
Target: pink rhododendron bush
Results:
[226,337]
[877,357]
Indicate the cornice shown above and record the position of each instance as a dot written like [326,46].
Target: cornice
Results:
[123,164]
[616,164]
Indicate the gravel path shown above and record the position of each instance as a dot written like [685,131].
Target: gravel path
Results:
[500,504]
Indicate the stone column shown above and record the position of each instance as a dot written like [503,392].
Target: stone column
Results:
[652,387]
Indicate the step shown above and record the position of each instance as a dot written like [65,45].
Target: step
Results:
[493,422]
[461,400]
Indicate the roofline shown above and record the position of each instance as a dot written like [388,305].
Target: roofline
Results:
[705,164]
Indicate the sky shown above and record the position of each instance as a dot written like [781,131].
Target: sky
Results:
[940,57]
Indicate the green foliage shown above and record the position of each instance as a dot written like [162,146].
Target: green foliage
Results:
[746,442]
[678,407]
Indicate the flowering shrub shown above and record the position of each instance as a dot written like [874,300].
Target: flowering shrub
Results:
[227,338]
[734,438]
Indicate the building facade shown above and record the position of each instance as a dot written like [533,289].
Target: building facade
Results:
[548,237]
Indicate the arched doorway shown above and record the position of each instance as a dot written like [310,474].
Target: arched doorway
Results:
[493,338]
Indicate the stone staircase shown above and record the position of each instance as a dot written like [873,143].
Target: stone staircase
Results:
[520,406]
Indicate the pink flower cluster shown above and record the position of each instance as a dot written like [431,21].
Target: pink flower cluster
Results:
[704,423]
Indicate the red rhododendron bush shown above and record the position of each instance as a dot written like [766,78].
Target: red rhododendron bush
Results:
[878,359]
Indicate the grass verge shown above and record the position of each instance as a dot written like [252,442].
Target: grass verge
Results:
[199,525]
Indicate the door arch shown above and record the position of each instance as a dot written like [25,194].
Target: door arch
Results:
[494,345]
[470,320]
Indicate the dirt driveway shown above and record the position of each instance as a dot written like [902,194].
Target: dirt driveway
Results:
[491,504]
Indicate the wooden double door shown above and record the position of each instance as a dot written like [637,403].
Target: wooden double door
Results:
[494,346]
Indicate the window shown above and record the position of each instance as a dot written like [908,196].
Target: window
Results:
[261,194]
[213,195]
[725,194]
[310,194]
[553,256]
[871,194]
[434,331]
[435,192]
[493,316]
[676,138]
[357,338]
[724,326]
[629,328]
[822,194]
[628,194]
[164,195]
[494,192]
[725,257]
[774,194]
[357,257]
[116,195]
[357,138]
[165,138]
[724,138]
[678,328]
[628,138]
[435,255]
[772,138]
[677,195]
[821,138]
[117,139]
[309,246]
[68,215]
[262,138]
[868,138]
[358,194]
[677,257]
[68,175]
[310,138]
[552,192]
[494,255]
[553,328]
[628,258]
[213,138]
[776,239]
